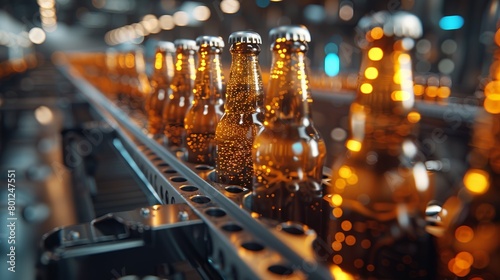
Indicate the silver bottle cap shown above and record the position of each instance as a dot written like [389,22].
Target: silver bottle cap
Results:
[213,41]
[186,44]
[245,37]
[290,32]
[399,24]
[166,46]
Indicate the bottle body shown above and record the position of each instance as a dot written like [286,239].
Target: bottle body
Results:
[376,226]
[234,136]
[286,165]
[140,85]
[289,152]
[242,119]
[160,82]
[205,112]
[179,96]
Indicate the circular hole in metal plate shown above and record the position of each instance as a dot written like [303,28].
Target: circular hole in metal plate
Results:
[291,228]
[234,189]
[163,164]
[169,171]
[178,179]
[280,269]
[215,212]
[188,188]
[232,227]
[201,199]
[253,246]
[203,167]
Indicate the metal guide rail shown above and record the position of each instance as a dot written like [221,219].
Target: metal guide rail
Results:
[237,244]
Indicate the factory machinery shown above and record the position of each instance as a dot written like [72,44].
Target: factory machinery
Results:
[100,199]
[97,197]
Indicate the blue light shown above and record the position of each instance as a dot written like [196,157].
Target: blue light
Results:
[262,3]
[451,22]
[332,64]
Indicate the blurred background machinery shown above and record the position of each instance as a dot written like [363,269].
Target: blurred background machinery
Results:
[78,157]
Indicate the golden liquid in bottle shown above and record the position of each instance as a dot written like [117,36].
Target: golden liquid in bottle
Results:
[160,81]
[204,114]
[242,119]
[201,146]
[289,153]
[179,97]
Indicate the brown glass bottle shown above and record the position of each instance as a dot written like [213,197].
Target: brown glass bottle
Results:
[140,86]
[243,115]
[470,246]
[163,65]
[180,92]
[379,190]
[289,152]
[205,112]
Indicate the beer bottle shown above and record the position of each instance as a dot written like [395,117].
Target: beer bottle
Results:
[243,115]
[111,73]
[205,112]
[470,247]
[163,64]
[179,93]
[140,85]
[289,152]
[380,189]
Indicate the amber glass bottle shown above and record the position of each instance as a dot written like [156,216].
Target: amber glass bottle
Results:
[470,247]
[243,115]
[180,92]
[163,65]
[139,81]
[379,190]
[110,86]
[289,152]
[205,112]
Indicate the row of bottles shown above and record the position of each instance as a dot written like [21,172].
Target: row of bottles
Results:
[222,133]
[371,213]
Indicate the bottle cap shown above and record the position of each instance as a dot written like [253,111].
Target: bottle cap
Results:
[399,24]
[291,33]
[186,44]
[245,37]
[213,41]
[166,46]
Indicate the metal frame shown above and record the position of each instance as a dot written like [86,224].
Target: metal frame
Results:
[240,245]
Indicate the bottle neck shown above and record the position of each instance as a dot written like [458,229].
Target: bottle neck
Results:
[245,91]
[383,108]
[163,67]
[288,99]
[184,70]
[209,83]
